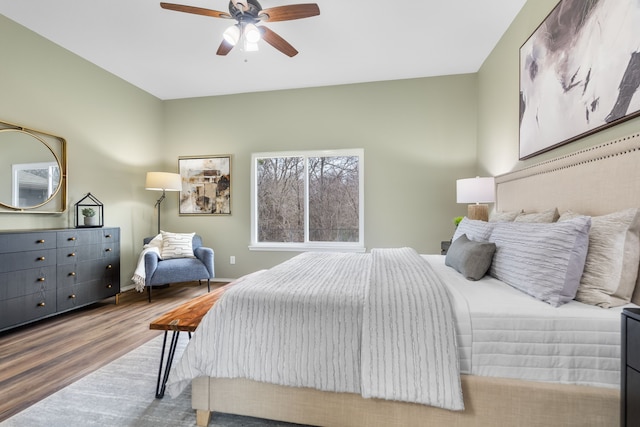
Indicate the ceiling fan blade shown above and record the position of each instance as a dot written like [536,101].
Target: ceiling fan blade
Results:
[287,13]
[278,42]
[224,48]
[195,10]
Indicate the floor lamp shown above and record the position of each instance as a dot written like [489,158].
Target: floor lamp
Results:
[163,181]
[479,191]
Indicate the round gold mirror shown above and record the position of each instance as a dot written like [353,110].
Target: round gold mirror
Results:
[31,173]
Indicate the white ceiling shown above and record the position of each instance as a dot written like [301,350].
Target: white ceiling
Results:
[173,55]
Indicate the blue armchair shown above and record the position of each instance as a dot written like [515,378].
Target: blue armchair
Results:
[162,272]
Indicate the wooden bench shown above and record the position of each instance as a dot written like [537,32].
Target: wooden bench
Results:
[184,318]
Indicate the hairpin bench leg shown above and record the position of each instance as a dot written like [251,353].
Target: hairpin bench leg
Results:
[162,377]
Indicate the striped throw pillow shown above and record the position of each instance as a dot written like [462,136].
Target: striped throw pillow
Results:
[177,245]
[544,260]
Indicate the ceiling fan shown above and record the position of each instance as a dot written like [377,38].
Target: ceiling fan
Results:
[248,13]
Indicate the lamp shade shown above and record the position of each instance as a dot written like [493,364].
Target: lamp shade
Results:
[476,190]
[163,181]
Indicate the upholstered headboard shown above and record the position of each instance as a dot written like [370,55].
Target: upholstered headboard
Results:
[593,181]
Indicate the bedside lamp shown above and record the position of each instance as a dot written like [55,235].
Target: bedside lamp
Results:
[163,181]
[478,191]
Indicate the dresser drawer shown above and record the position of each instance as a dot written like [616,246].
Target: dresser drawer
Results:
[110,235]
[17,311]
[25,282]
[77,237]
[27,260]
[74,254]
[633,343]
[110,250]
[77,295]
[632,397]
[20,242]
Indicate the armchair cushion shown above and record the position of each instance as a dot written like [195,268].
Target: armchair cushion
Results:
[176,245]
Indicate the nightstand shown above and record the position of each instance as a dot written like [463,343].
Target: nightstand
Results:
[444,246]
[630,367]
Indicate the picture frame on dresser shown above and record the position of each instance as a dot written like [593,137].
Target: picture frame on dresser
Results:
[579,73]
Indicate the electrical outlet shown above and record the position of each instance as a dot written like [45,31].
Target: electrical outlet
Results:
[232,259]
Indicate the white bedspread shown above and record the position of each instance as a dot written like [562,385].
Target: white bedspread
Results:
[516,336]
[358,323]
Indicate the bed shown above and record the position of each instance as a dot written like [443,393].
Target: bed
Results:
[505,379]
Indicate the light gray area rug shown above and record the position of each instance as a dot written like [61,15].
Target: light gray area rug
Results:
[122,394]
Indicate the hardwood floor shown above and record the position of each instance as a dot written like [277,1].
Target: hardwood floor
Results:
[41,358]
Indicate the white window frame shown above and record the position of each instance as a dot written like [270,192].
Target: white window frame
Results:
[307,245]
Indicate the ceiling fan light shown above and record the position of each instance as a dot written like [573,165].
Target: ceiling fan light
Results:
[251,33]
[250,47]
[232,35]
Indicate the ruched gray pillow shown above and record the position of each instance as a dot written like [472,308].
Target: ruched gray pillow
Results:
[470,258]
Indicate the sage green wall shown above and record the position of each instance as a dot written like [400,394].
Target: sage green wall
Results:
[498,86]
[112,129]
[418,136]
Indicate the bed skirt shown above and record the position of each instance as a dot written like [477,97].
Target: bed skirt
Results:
[488,402]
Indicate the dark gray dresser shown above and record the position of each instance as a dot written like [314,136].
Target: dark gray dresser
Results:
[630,368]
[46,272]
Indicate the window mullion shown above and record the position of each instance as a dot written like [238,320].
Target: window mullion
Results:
[306,199]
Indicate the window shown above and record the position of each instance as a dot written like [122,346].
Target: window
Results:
[308,200]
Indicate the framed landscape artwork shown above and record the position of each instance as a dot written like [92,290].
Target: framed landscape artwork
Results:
[579,72]
[206,185]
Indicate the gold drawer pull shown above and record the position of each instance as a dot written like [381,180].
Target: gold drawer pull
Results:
[41,304]
[109,267]
[109,286]
[40,258]
[108,250]
[72,296]
[40,241]
[71,239]
[41,279]
[73,273]
[72,254]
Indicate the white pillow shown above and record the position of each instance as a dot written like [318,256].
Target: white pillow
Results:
[506,216]
[478,231]
[177,245]
[611,268]
[550,215]
[543,260]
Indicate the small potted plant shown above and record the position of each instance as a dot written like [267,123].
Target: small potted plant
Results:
[89,216]
[457,220]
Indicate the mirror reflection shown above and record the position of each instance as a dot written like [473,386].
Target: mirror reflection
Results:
[29,170]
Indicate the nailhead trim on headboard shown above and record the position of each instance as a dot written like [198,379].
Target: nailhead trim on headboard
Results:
[595,180]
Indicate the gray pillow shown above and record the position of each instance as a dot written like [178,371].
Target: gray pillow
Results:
[544,260]
[469,258]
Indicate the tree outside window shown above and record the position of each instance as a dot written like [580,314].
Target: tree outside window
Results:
[308,198]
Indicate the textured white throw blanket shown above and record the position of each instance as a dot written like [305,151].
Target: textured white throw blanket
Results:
[334,322]
[139,274]
[409,346]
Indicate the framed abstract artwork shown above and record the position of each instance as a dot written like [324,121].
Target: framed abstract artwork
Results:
[206,185]
[579,73]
